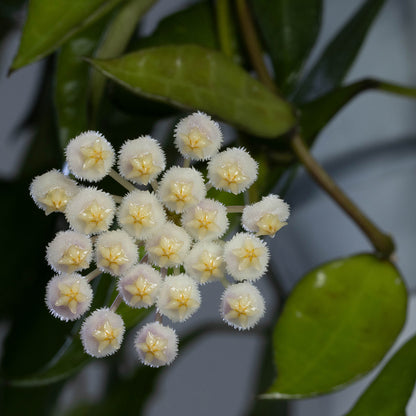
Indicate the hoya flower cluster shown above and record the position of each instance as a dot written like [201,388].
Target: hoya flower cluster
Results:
[167,217]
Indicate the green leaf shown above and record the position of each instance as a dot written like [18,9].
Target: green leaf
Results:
[198,78]
[51,22]
[315,115]
[289,29]
[72,80]
[115,41]
[337,324]
[333,65]
[389,393]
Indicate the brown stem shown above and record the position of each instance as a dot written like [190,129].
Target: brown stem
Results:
[383,243]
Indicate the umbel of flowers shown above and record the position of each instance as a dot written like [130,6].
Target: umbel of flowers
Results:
[180,254]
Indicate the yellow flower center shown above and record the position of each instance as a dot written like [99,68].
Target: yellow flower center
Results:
[154,347]
[203,222]
[181,194]
[55,200]
[194,142]
[269,224]
[242,308]
[141,291]
[167,250]
[94,217]
[142,167]
[70,296]
[94,156]
[113,257]
[210,266]
[74,258]
[106,336]
[181,300]
[231,175]
[140,216]
[248,255]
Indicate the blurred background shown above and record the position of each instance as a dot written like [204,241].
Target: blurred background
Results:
[369,148]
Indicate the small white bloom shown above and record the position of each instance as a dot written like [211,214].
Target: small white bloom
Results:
[69,252]
[205,262]
[91,211]
[90,156]
[242,305]
[206,221]
[232,170]
[68,296]
[140,214]
[198,137]
[246,257]
[139,286]
[168,246]
[266,217]
[181,188]
[115,252]
[179,298]
[102,333]
[156,344]
[52,191]
[141,160]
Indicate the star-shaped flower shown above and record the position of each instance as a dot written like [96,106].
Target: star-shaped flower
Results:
[242,308]
[181,300]
[154,347]
[194,142]
[203,222]
[140,216]
[113,257]
[181,194]
[74,258]
[269,224]
[142,167]
[94,217]
[141,291]
[70,296]
[210,266]
[248,255]
[55,200]
[94,156]
[167,250]
[107,335]
[231,176]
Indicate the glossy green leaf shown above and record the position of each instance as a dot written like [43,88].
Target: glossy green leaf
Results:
[72,80]
[197,78]
[115,41]
[389,393]
[333,65]
[51,22]
[289,29]
[315,115]
[337,324]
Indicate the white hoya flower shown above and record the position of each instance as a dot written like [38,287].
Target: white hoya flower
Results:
[168,246]
[266,217]
[90,156]
[198,137]
[115,252]
[181,188]
[205,262]
[141,160]
[91,211]
[246,257]
[156,344]
[242,305]
[206,221]
[140,213]
[52,191]
[179,297]
[232,170]
[102,333]
[68,296]
[69,252]
[139,286]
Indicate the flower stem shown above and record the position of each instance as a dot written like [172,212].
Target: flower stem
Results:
[383,243]
[222,8]
[117,198]
[253,45]
[92,275]
[186,162]
[123,182]
[235,209]
[159,317]
[116,303]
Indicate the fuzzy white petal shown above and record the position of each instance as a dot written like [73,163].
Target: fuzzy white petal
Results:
[242,305]
[198,137]
[90,156]
[179,298]
[156,344]
[141,160]
[102,333]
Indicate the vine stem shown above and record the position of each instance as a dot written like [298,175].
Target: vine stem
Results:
[123,182]
[383,243]
[253,45]
[223,26]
